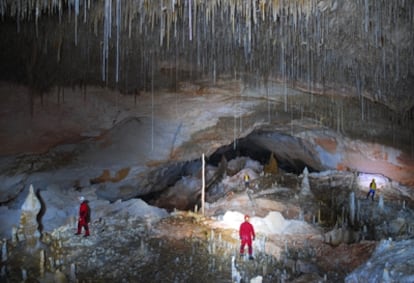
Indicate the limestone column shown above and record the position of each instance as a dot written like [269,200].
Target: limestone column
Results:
[29,227]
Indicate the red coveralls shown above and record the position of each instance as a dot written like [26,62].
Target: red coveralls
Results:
[247,234]
[83,222]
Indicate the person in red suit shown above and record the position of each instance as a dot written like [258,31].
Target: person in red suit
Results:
[84,217]
[247,235]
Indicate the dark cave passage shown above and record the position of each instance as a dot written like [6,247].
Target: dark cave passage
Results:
[260,145]
[250,147]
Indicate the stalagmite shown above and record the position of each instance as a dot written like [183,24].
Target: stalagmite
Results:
[72,276]
[51,263]
[381,202]
[142,246]
[305,186]
[319,215]
[257,279]
[386,276]
[42,263]
[235,274]
[301,216]
[14,235]
[24,274]
[28,228]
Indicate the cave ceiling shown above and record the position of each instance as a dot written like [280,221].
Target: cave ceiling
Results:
[358,48]
[344,65]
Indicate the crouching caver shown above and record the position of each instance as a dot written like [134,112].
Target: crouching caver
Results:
[84,217]
[247,236]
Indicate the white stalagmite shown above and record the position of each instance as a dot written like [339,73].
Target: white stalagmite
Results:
[72,277]
[28,228]
[14,235]
[257,279]
[305,186]
[51,263]
[42,263]
[235,274]
[381,202]
[24,275]
[386,276]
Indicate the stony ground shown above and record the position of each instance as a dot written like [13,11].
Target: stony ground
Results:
[187,247]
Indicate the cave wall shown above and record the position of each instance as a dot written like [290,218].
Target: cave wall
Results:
[359,48]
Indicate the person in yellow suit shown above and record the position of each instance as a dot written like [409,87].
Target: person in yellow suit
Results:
[246,180]
[372,189]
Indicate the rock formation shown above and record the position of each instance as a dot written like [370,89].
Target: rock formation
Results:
[29,227]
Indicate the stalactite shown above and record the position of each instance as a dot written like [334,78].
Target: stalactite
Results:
[130,16]
[59,8]
[366,16]
[118,30]
[152,102]
[76,21]
[293,35]
[37,13]
[106,36]
[190,24]
[85,13]
[235,132]
[2,9]
[162,25]
[194,28]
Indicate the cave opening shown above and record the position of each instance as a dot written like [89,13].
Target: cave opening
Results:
[246,147]
[240,148]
